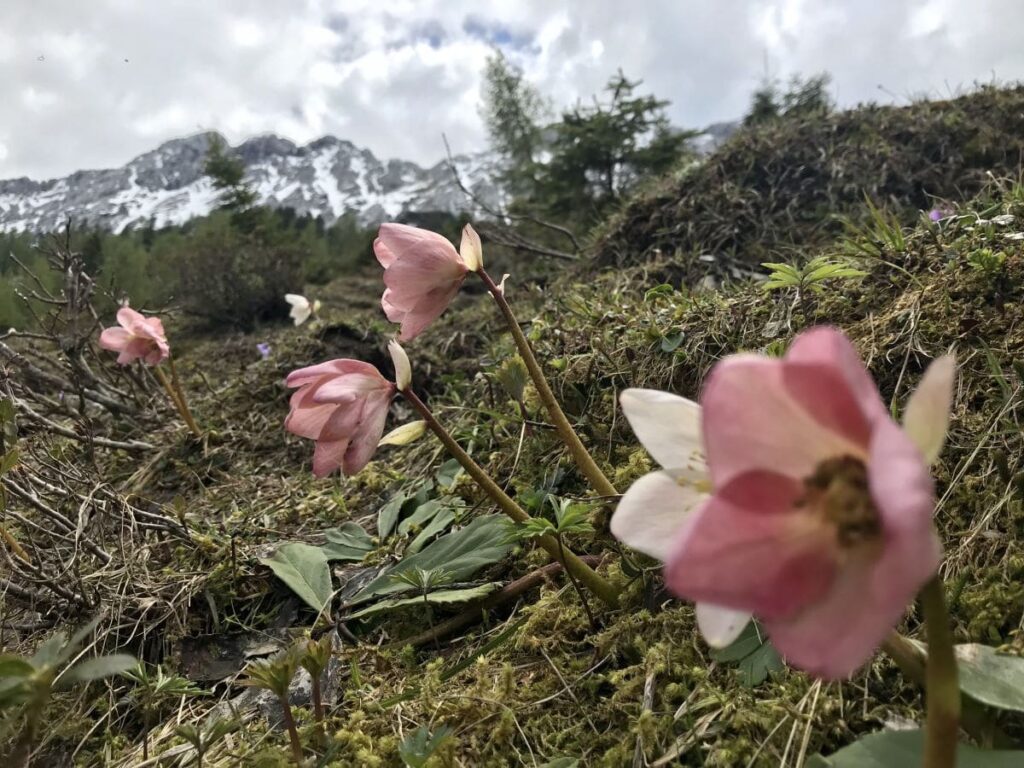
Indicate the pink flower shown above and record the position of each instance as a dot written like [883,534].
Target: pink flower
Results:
[814,512]
[342,404]
[422,272]
[139,337]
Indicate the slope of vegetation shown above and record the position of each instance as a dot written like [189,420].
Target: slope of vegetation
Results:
[530,682]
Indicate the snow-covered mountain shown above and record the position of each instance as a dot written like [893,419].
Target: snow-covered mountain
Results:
[327,177]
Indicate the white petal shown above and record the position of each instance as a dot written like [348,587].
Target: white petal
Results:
[926,418]
[301,309]
[653,509]
[720,626]
[471,250]
[403,368]
[667,425]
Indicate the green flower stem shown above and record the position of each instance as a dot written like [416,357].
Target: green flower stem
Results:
[580,455]
[942,687]
[293,732]
[173,389]
[584,573]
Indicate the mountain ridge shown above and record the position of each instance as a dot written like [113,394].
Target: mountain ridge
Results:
[326,177]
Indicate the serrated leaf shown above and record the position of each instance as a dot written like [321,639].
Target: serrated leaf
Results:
[98,668]
[438,597]
[460,553]
[303,568]
[347,542]
[899,749]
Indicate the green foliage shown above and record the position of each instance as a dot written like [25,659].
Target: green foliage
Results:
[419,745]
[570,517]
[274,674]
[227,174]
[347,542]
[303,568]
[802,98]
[755,656]
[987,261]
[889,749]
[809,277]
[992,678]
[600,151]
[203,738]
[315,655]
[512,110]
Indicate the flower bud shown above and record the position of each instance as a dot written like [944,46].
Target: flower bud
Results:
[404,434]
[403,369]
[471,250]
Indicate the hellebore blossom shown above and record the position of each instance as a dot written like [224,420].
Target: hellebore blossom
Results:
[793,496]
[342,405]
[302,308]
[422,272]
[138,338]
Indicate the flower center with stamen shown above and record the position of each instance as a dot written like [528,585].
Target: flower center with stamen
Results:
[838,491]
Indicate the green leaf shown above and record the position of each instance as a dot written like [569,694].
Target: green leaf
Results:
[419,745]
[15,666]
[304,569]
[671,343]
[448,473]
[389,514]
[665,289]
[787,270]
[424,514]
[440,597]
[9,461]
[347,542]
[991,677]
[460,553]
[900,749]
[438,523]
[97,668]
[756,657]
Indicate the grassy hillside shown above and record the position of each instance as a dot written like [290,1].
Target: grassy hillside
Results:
[531,682]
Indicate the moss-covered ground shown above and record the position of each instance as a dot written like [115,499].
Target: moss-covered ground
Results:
[532,682]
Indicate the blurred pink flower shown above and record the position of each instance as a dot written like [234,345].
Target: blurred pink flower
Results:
[342,405]
[138,338]
[814,510]
[422,272]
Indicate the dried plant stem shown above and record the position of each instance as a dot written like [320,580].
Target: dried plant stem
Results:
[580,455]
[942,687]
[173,389]
[584,573]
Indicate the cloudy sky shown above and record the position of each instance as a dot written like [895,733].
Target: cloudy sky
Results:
[92,84]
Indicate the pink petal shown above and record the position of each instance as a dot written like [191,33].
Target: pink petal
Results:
[332,368]
[410,278]
[351,385]
[926,418]
[327,456]
[136,349]
[826,376]
[427,310]
[667,425]
[652,512]
[114,339]
[869,596]
[772,561]
[402,241]
[383,253]
[344,420]
[393,313]
[307,418]
[129,318]
[367,437]
[751,422]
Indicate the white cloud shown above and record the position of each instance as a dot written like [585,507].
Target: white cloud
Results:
[93,84]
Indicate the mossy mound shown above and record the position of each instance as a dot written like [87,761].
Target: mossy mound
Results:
[782,185]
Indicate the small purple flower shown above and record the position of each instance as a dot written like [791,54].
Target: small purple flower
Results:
[939,213]
[935,214]
[264,349]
